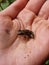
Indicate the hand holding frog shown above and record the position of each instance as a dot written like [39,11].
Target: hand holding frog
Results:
[16,50]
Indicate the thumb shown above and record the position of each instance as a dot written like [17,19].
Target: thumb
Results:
[8,30]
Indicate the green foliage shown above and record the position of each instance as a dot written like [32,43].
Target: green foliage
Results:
[47,62]
[5,3]
[0,1]
[10,1]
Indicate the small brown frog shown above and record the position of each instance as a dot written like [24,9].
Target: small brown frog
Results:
[26,33]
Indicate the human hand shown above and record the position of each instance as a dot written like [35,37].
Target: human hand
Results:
[16,50]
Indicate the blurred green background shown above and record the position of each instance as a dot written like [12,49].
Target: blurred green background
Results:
[6,3]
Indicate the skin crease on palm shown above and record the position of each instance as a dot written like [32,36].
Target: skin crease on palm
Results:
[24,14]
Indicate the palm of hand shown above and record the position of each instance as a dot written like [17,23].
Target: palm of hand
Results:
[18,50]
[26,50]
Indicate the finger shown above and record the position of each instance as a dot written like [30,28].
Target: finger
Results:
[27,14]
[14,8]
[35,5]
[26,17]
[44,12]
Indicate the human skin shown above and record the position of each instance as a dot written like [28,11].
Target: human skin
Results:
[16,50]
